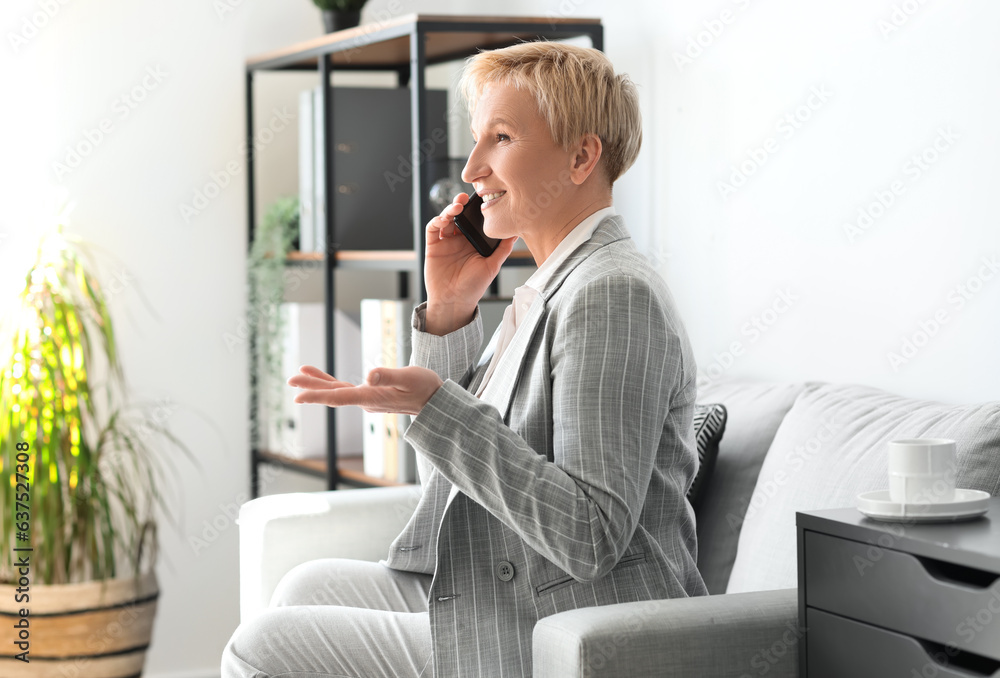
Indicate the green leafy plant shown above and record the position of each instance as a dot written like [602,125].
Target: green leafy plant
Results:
[341,5]
[79,473]
[266,278]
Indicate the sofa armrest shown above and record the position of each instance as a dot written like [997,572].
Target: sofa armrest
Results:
[278,532]
[737,634]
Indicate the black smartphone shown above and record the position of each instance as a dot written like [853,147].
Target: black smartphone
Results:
[470,223]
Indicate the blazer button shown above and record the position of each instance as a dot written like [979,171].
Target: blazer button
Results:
[505,571]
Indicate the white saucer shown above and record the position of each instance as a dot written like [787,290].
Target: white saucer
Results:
[967,504]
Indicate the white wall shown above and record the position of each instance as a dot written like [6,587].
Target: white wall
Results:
[727,259]
[860,293]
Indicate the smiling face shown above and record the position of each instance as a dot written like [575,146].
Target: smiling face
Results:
[531,187]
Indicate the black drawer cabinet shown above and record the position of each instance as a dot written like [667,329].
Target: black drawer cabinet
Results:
[898,599]
[842,648]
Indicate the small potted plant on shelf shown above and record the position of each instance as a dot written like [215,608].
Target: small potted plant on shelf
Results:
[79,480]
[340,14]
[272,241]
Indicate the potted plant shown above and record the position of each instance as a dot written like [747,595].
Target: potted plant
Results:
[79,481]
[266,316]
[340,14]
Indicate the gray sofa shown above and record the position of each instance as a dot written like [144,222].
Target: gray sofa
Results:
[787,447]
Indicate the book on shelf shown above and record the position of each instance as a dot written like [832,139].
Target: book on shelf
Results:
[312,186]
[371,151]
[319,173]
[302,429]
[307,221]
[385,342]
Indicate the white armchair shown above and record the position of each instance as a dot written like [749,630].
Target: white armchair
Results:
[690,638]
[281,531]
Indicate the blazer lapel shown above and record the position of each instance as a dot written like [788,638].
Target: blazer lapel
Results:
[500,389]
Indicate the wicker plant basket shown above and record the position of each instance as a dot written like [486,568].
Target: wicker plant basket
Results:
[96,629]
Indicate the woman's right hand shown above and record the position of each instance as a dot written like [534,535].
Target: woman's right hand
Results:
[455,274]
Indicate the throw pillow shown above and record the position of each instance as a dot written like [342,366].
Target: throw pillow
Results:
[755,410]
[709,425]
[832,446]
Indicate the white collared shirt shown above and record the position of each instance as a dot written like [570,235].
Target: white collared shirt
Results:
[525,295]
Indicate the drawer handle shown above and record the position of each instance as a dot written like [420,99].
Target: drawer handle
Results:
[957,574]
[959,661]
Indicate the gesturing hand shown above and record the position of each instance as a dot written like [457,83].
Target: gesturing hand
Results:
[403,390]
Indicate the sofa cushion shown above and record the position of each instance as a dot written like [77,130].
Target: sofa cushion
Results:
[833,445]
[754,411]
[709,425]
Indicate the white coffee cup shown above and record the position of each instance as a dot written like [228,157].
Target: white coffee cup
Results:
[922,470]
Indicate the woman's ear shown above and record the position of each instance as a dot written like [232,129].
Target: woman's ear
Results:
[585,158]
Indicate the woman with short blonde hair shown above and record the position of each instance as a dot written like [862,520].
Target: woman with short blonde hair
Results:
[555,467]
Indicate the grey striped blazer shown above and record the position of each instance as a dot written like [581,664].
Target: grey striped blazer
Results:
[572,468]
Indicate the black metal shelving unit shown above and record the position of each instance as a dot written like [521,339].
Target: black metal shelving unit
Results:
[406,46]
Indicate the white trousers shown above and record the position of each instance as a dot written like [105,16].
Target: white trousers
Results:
[339,618]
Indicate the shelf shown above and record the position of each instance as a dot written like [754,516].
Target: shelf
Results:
[350,468]
[406,45]
[383,260]
[386,44]
[394,260]
[351,474]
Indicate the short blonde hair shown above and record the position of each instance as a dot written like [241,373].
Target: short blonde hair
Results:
[576,90]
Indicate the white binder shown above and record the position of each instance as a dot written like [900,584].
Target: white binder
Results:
[307,220]
[371,351]
[319,173]
[303,429]
[385,342]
